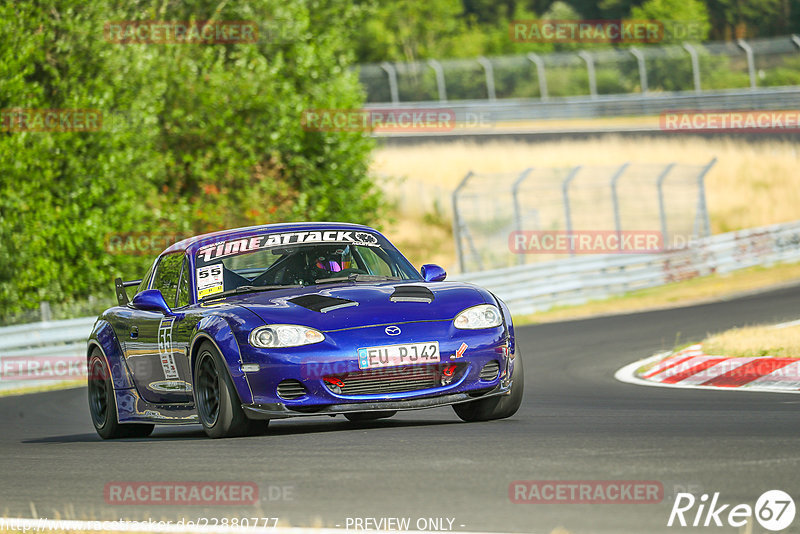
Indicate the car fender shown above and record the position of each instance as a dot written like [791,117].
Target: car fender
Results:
[508,321]
[491,298]
[509,324]
[217,330]
[104,338]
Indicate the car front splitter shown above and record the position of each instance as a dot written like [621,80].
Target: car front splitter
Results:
[281,411]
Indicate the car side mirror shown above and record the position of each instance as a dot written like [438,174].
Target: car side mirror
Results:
[151,300]
[433,273]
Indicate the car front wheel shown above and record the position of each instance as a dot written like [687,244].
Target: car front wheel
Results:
[498,407]
[218,406]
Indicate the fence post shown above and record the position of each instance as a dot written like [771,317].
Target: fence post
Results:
[457,220]
[615,200]
[661,210]
[695,66]
[439,71]
[517,210]
[391,72]
[587,57]
[540,73]
[487,68]
[45,311]
[703,209]
[751,67]
[565,194]
[642,68]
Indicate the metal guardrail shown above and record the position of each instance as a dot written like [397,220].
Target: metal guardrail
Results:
[521,109]
[45,333]
[538,287]
[43,353]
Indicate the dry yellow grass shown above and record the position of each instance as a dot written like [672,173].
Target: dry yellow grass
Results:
[423,239]
[24,390]
[642,121]
[755,341]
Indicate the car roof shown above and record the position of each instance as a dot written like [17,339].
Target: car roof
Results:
[191,244]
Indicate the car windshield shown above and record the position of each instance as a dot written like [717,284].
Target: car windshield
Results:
[298,258]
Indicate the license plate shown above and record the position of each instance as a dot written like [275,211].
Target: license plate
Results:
[394,355]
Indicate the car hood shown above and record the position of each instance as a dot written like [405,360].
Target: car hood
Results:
[353,305]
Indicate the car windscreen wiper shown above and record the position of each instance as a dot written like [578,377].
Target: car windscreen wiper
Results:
[246,289]
[357,277]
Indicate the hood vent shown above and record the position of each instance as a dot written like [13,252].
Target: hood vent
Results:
[322,303]
[412,294]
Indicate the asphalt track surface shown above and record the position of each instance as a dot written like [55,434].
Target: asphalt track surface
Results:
[576,423]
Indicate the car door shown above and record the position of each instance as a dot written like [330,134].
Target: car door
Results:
[156,352]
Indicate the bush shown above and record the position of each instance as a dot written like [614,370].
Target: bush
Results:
[211,136]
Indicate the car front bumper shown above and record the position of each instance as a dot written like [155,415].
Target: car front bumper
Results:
[311,365]
[282,411]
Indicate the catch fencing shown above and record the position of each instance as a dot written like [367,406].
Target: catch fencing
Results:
[487,207]
[685,67]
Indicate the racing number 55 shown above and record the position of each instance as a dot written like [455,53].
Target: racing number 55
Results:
[214,270]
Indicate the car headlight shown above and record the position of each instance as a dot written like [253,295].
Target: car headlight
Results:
[481,316]
[284,335]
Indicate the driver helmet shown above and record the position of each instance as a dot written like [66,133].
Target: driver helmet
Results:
[336,261]
[332,266]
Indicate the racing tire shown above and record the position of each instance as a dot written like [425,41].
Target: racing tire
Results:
[218,406]
[358,417]
[498,407]
[103,403]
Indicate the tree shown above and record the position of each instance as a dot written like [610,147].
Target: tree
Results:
[203,136]
[681,18]
[749,18]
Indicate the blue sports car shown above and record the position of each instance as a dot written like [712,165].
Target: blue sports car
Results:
[235,328]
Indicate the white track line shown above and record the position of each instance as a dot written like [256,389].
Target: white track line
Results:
[787,324]
[44,525]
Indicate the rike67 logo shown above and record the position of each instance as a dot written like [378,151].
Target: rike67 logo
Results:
[774,511]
